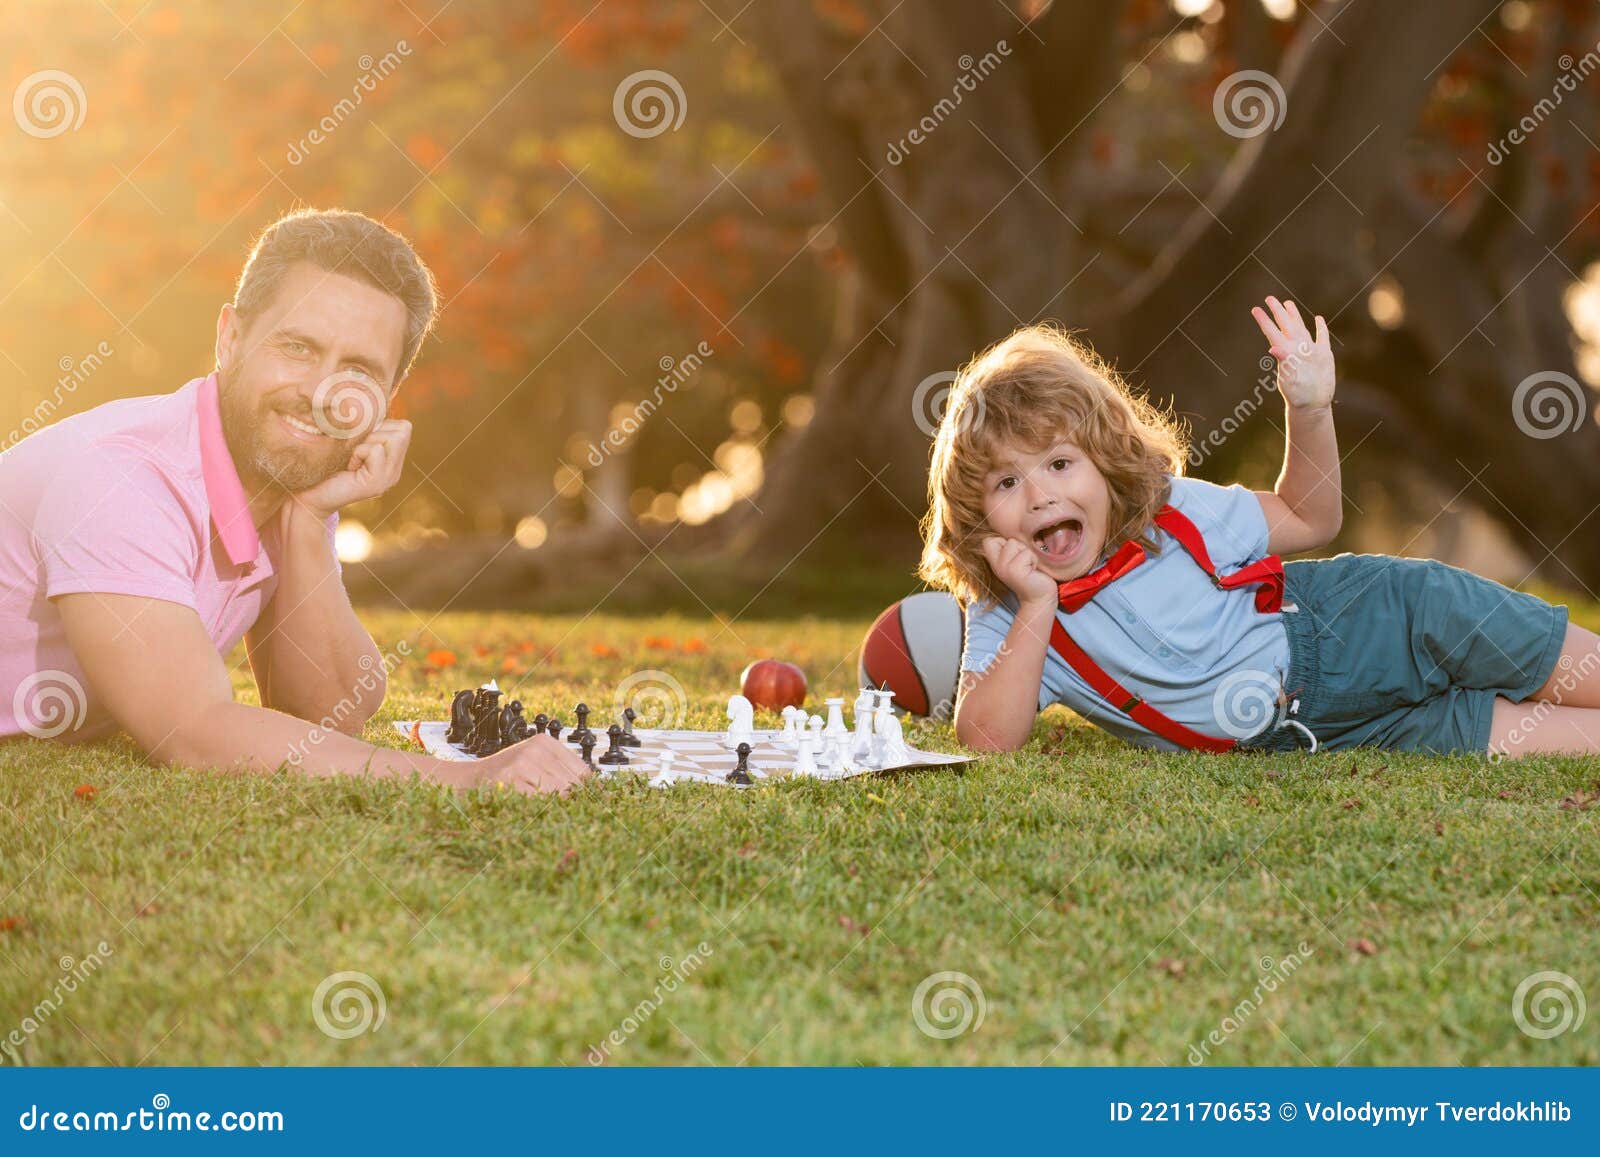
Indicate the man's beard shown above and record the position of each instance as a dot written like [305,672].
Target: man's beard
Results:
[289,469]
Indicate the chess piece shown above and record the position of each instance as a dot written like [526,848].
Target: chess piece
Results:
[460,717]
[540,722]
[835,717]
[741,721]
[614,755]
[666,777]
[513,726]
[741,771]
[577,733]
[806,761]
[892,750]
[866,706]
[790,736]
[485,739]
[553,729]
[629,739]
[587,745]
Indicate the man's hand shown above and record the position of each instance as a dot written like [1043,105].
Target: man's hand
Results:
[1014,564]
[1305,364]
[374,467]
[535,766]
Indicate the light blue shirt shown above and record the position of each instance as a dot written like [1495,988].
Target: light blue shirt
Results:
[1200,655]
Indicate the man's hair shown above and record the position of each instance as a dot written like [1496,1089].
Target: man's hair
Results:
[347,243]
[1038,387]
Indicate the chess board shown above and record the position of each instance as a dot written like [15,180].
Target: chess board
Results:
[699,756]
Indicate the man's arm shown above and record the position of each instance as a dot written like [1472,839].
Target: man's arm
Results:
[157,671]
[309,652]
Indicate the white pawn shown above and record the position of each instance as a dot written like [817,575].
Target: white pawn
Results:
[666,778]
[806,763]
[789,737]
[741,721]
[836,717]
[817,741]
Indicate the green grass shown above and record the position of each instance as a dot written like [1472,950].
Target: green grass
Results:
[1113,905]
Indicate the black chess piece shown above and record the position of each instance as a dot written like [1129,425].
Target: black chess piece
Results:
[485,739]
[577,733]
[513,725]
[461,717]
[540,721]
[629,739]
[553,729]
[741,771]
[614,754]
[587,744]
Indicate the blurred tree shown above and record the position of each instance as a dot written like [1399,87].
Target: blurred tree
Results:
[1029,195]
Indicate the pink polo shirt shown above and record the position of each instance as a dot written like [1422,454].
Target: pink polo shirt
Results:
[134,497]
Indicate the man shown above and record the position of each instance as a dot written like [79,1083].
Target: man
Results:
[140,540]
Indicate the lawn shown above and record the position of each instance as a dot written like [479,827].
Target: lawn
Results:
[1103,905]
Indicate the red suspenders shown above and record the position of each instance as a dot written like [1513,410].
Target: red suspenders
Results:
[1268,572]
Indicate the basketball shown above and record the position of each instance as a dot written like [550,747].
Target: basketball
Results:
[914,649]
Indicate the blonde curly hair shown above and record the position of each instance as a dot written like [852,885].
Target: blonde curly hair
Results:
[1038,387]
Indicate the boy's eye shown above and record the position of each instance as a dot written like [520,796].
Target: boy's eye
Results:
[1005,483]
[1058,464]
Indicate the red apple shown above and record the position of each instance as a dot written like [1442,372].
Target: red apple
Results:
[773,684]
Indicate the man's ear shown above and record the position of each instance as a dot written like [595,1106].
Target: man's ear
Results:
[228,329]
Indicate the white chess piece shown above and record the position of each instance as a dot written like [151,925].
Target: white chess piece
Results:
[741,721]
[866,705]
[836,717]
[667,778]
[806,763]
[815,724]
[892,750]
[788,736]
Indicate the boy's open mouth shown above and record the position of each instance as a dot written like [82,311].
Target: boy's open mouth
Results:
[1059,541]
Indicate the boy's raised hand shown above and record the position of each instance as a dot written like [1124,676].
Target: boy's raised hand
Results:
[1305,364]
[1014,564]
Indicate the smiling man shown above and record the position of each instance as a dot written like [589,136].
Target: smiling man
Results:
[142,539]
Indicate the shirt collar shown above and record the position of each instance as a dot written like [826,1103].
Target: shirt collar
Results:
[230,509]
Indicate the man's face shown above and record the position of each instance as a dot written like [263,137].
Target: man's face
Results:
[304,381]
[1056,501]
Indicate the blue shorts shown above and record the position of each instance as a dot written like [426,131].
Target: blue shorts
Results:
[1406,654]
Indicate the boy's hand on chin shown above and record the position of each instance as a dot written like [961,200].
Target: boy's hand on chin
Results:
[1014,564]
[1305,363]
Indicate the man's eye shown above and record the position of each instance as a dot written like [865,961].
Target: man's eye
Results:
[296,347]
